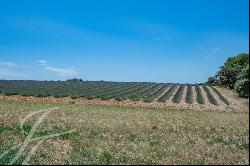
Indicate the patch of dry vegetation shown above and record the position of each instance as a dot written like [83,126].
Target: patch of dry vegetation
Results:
[136,135]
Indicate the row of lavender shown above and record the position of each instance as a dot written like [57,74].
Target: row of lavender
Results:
[148,92]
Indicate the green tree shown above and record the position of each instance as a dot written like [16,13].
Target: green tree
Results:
[239,60]
[242,84]
[212,81]
[75,80]
[234,74]
[242,87]
[228,75]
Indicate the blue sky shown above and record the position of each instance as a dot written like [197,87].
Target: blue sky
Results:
[120,40]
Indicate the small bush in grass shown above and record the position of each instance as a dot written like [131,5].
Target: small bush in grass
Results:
[106,157]
[26,128]
[71,102]
[40,95]
[89,97]
[81,95]
[148,99]
[14,93]
[6,159]
[155,142]
[65,95]
[67,135]
[86,152]
[9,93]
[57,96]
[46,95]
[119,98]
[5,128]
[24,94]
[104,97]
[74,97]
[132,137]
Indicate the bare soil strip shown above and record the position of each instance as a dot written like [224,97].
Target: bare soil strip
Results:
[194,95]
[183,99]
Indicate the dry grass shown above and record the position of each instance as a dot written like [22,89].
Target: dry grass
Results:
[135,135]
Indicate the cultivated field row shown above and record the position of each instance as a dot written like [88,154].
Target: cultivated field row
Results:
[147,92]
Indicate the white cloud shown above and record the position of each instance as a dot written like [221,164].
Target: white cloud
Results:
[2,73]
[42,62]
[8,64]
[11,74]
[62,71]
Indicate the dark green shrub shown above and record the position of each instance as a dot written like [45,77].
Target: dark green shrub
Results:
[9,93]
[39,95]
[119,98]
[89,97]
[74,97]
[65,95]
[242,87]
[57,96]
[24,94]
[148,99]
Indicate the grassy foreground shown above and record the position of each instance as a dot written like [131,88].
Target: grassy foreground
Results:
[120,135]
